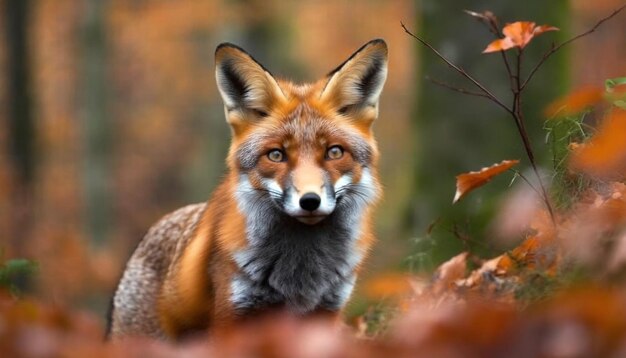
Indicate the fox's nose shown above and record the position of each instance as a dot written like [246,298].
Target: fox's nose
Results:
[310,201]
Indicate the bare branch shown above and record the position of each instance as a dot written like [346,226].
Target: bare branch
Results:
[519,174]
[456,89]
[554,48]
[459,70]
[508,68]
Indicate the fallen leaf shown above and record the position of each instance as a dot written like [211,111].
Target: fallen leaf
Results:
[584,234]
[391,285]
[449,272]
[574,102]
[522,256]
[476,277]
[517,34]
[604,155]
[469,181]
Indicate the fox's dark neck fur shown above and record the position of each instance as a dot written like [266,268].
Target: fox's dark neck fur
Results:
[299,266]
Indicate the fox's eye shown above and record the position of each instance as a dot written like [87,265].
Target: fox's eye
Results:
[276,155]
[334,152]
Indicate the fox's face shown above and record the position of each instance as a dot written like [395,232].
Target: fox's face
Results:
[306,149]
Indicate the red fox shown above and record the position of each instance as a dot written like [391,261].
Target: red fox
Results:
[290,225]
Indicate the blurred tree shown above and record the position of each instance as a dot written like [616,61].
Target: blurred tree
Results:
[458,133]
[95,121]
[21,140]
[260,30]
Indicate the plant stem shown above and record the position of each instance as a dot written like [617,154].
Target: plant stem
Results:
[458,69]
[555,48]
[518,117]
[517,86]
[519,122]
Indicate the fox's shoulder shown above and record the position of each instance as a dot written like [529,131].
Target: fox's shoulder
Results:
[145,272]
[171,232]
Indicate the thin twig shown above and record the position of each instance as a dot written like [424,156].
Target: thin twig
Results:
[517,87]
[508,68]
[518,115]
[519,174]
[554,48]
[458,69]
[456,89]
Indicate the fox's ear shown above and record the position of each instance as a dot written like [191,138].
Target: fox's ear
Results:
[247,88]
[357,83]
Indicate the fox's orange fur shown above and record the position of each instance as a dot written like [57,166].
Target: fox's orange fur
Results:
[291,223]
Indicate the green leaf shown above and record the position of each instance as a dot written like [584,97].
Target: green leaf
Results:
[609,86]
[12,270]
[19,266]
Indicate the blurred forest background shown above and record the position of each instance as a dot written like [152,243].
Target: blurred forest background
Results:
[110,117]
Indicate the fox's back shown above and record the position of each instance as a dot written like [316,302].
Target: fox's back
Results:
[135,301]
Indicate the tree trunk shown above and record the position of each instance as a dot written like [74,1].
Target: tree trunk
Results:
[96,123]
[21,139]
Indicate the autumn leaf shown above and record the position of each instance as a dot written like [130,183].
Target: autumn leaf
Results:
[486,16]
[605,154]
[482,279]
[522,256]
[391,285]
[469,181]
[450,271]
[517,34]
[574,102]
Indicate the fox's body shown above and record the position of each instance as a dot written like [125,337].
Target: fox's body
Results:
[290,224]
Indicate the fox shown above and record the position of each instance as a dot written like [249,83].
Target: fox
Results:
[291,223]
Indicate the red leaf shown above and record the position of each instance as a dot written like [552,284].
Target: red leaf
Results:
[469,181]
[517,34]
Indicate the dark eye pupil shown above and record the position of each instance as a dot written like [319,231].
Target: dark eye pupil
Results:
[275,155]
[335,152]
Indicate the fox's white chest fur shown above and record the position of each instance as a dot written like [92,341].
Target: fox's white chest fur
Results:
[288,263]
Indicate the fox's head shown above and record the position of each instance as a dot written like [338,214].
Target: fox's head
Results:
[306,149]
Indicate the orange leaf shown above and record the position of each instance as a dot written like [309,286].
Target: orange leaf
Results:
[517,34]
[605,154]
[574,102]
[450,271]
[500,45]
[390,285]
[523,255]
[469,181]
[544,28]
